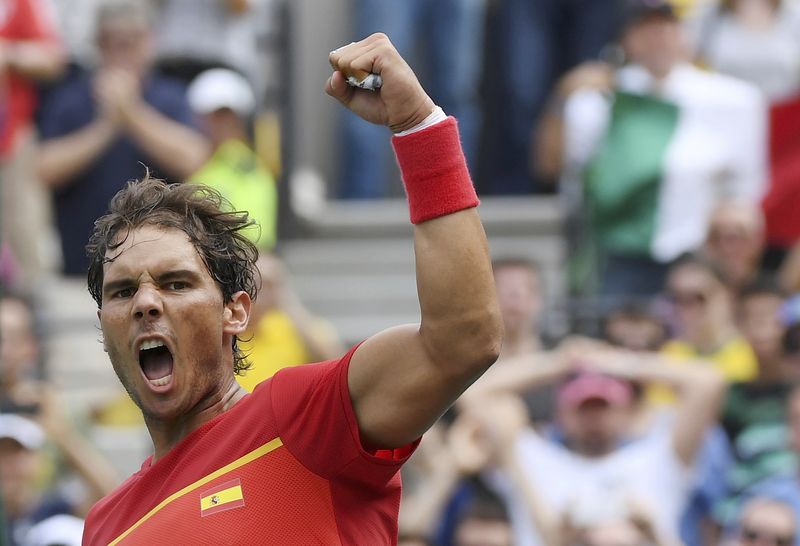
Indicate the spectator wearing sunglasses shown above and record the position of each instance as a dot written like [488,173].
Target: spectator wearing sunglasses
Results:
[703,305]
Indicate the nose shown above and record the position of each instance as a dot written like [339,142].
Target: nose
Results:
[147,303]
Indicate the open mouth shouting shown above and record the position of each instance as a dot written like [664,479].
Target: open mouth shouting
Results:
[156,362]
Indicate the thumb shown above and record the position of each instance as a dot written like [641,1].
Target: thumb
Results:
[337,87]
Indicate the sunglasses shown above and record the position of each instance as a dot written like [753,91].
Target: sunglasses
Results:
[753,535]
[688,299]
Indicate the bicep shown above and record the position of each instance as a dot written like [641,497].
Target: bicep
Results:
[397,390]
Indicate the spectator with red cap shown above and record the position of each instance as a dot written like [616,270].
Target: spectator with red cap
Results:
[605,453]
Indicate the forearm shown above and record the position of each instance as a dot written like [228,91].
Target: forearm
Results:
[92,467]
[548,145]
[701,390]
[36,60]
[544,520]
[179,150]
[460,319]
[63,158]
[420,512]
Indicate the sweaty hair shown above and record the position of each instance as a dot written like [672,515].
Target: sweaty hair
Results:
[202,214]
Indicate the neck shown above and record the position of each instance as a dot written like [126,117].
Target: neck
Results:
[166,435]
[709,338]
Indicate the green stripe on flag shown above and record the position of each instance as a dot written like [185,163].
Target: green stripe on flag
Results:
[622,181]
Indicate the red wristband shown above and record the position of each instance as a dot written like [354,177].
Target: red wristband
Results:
[434,171]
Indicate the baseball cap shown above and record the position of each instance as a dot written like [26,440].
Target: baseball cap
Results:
[61,529]
[636,10]
[221,88]
[25,432]
[593,386]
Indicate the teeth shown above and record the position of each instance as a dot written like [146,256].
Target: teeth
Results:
[161,382]
[151,344]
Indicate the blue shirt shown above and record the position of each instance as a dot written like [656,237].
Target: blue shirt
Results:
[86,196]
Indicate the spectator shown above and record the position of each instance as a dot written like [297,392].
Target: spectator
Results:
[19,353]
[22,391]
[452,34]
[531,44]
[735,241]
[636,326]
[705,138]
[754,415]
[225,104]
[22,466]
[101,129]
[518,284]
[754,40]
[789,273]
[29,54]
[765,521]
[597,450]
[283,333]
[704,309]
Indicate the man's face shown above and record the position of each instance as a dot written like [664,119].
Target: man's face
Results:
[735,241]
[635,333]
[655,42]
[157,291]
[478,532]
[18,347]
[697,296]
[595,427]
[760,323]
[125,46]
[518,296]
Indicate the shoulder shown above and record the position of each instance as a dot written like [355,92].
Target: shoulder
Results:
[712,88]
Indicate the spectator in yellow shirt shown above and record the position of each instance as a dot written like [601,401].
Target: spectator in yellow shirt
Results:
[704,312]
[283,332]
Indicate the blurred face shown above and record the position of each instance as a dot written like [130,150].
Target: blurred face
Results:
[635,333]
[125,45]
[594,428]
[767,524]
[735,242]
[223,124]
[698,297]
[518,296]
[18,348]
[760,323]
[475,532]
[655,42]
[165,327]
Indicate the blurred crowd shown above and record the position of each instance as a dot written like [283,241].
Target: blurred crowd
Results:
[669,413]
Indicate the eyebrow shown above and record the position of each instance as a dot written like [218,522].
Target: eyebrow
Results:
[169,275]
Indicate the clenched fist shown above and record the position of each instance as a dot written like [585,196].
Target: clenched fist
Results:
[401,103]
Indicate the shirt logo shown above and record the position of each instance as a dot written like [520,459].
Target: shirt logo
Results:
[219,498]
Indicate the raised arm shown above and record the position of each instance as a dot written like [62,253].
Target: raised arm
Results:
[403,379]
[699,386]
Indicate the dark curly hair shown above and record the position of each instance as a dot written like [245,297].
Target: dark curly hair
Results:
[213,227]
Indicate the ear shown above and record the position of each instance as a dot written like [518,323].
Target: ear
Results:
[236,314]
[103,338]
